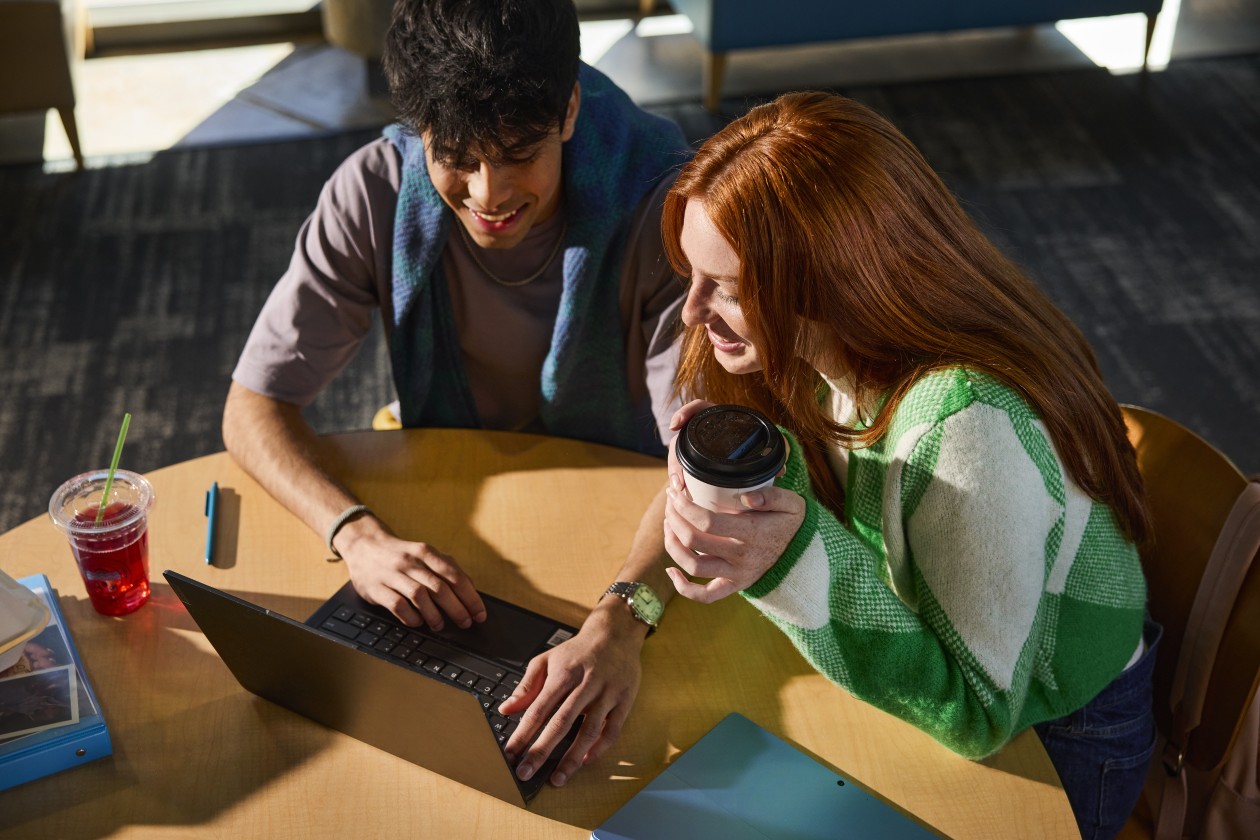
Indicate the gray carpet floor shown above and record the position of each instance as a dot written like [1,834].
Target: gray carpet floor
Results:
[132,288]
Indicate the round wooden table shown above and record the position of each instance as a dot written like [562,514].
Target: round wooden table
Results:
[540,521]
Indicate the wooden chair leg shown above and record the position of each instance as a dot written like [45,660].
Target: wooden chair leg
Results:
[1150,37]
[72,134]
[646,7]
[714,69]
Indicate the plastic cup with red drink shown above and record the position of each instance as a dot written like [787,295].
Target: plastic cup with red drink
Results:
[110,547]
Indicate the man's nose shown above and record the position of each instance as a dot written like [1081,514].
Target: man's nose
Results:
[489,187]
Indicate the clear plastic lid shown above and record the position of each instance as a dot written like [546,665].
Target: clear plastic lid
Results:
[73,504]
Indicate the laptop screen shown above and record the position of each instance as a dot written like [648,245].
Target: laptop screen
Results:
[371,695]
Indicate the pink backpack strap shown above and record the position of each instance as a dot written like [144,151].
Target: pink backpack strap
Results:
[1235,549]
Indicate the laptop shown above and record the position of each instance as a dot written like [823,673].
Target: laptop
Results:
[740,782]
[430,698]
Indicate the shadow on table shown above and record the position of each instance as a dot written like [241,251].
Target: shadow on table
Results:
[171,768]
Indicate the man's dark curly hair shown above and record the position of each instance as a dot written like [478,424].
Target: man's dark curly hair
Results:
[486,77]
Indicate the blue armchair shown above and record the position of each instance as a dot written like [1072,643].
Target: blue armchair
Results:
[725,25]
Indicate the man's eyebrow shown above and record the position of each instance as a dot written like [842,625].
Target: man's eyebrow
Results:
[520,158]
[513,155]
[517,152]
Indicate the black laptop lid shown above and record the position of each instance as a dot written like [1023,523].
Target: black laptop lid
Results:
[430,722]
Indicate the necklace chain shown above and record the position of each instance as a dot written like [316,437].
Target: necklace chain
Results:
[473,249]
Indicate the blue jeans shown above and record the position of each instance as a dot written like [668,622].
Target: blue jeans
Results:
[1103,749]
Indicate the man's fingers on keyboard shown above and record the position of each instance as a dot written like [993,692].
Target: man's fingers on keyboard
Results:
[398,605]
[463,591]
[452,606]
[429,613]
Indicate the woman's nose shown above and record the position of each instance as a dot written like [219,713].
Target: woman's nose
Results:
[696,309]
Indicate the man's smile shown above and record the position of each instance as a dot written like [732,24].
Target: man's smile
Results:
[496,222]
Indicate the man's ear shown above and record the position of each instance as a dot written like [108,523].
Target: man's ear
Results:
[571,113]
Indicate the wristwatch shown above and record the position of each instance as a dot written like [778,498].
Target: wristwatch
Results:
[643,602]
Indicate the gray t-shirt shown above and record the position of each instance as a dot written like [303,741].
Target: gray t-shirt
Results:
[321,309]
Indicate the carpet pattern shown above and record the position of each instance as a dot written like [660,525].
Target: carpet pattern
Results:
[132,288]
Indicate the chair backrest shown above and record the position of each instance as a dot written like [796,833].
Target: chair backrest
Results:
[1191,488]
[34,58]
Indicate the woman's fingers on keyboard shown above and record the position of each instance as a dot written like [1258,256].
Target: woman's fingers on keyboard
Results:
[601,725]
[526,698]
[547,720]
[551,734]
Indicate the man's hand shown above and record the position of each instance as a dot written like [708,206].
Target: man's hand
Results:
[273,443]
[595,674]
[413,580]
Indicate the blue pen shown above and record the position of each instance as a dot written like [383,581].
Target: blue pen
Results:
[212,513]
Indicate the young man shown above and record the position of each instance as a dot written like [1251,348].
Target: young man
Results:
[508,230]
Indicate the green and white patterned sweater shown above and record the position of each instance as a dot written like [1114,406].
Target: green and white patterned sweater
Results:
[976,590]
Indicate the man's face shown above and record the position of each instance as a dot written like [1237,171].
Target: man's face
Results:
[499,204]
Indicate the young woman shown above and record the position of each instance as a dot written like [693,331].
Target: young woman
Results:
[955,537]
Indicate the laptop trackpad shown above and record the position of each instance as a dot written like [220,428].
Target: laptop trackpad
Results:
[510,634]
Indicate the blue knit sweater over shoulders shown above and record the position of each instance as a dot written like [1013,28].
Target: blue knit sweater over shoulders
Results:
[617,154]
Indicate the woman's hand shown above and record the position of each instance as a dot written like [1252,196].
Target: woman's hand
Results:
[732,549]
[593,676]
[680,418]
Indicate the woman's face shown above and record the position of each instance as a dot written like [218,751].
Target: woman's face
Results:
[712,300]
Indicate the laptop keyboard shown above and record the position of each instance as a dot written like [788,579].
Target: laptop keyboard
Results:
[493,682]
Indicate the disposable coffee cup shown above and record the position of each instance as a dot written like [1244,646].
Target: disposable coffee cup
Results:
[727,451]
[112,554]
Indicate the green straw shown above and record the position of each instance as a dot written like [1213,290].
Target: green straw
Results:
[113,465]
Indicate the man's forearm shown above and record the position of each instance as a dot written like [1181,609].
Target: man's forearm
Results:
[272,442]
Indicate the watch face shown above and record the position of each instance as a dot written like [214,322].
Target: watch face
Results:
[646,604]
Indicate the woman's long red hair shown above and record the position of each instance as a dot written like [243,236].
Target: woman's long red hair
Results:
[839,222]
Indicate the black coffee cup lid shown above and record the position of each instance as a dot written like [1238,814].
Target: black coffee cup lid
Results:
[731,446]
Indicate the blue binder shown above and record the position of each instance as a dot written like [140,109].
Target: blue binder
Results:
[50,750]
[740,782]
